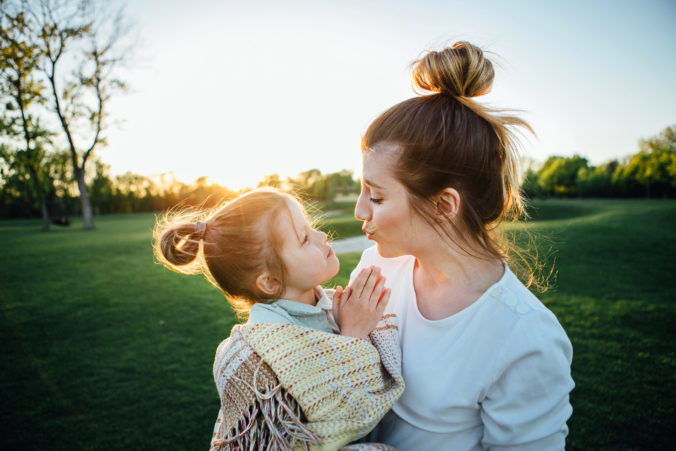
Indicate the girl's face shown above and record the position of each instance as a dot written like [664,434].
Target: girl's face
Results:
[384,207]
[309,259]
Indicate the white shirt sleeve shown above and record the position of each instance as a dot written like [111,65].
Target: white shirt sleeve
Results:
[527,405]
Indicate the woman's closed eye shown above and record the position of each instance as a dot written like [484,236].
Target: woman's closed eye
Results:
[376,200]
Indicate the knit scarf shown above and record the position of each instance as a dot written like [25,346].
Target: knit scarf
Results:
[286,387]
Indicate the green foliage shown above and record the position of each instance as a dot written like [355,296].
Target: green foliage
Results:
[314,185]
[22,100]
[530,186]
[558,176]
[596,181]
[73,48]
[104,349]
[655,165]
[18,194]
[650,172]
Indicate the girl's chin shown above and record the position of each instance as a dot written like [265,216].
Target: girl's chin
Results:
[336,268]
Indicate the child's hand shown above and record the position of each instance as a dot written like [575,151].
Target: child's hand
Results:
[360,306]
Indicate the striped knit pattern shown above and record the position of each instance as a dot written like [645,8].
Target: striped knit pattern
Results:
[327,390]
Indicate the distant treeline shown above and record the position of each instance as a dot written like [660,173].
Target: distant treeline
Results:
[649,173]
[129,193]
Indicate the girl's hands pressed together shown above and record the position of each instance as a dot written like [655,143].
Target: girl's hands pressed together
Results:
[360,306]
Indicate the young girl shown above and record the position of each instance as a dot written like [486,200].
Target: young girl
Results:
[283,380]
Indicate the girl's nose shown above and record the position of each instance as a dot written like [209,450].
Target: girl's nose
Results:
[322,236]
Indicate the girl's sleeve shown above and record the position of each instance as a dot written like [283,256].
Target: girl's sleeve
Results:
[527,406]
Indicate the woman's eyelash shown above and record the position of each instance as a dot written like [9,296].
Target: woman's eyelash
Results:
[375,201]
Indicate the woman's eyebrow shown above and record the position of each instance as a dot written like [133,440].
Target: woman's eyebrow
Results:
[374,185]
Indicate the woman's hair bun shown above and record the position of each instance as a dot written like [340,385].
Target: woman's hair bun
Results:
[460,70]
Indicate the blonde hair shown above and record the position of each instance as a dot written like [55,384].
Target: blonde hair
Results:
[238,244]
[447,139]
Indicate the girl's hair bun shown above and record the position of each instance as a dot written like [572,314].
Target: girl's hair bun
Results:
[179,245]
[460,70]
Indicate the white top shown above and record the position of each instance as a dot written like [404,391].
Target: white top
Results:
[495,375]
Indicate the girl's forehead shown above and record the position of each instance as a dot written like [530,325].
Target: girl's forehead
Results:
[296,215]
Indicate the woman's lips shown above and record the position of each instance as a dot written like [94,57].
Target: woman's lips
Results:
[369,235]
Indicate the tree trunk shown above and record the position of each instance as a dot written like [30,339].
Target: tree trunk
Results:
[87,216]
[35,178]
[45,213]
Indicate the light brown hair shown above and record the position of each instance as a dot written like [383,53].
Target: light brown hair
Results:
[238,245]
[446,139]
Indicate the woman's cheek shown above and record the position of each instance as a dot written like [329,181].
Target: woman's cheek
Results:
[387,220]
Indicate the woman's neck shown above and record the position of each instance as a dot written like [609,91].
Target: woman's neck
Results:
[447,281]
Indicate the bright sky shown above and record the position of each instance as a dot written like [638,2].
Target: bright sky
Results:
[235,90]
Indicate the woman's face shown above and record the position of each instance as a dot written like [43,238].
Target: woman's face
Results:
[384,207]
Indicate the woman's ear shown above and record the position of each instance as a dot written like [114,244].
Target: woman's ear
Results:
[267,283]
[448,203]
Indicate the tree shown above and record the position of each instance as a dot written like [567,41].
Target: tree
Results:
[530,186]
[102,189]
[558,176]
[655,164]
[597,181]
[271,180]
[84,36]
[19,196]
[21,93]
[312,184]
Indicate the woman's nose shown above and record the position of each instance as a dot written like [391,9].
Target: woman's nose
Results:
[361,209]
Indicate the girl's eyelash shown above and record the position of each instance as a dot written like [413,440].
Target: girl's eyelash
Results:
[305,239]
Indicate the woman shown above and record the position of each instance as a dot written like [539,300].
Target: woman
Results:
[486,364]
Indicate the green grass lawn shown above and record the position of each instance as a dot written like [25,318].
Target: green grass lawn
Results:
[104,349]
[339,222]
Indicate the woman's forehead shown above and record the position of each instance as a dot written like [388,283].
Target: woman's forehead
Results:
[377,167]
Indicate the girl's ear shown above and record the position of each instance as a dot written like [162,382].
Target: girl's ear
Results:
[267,283]
[448,203]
